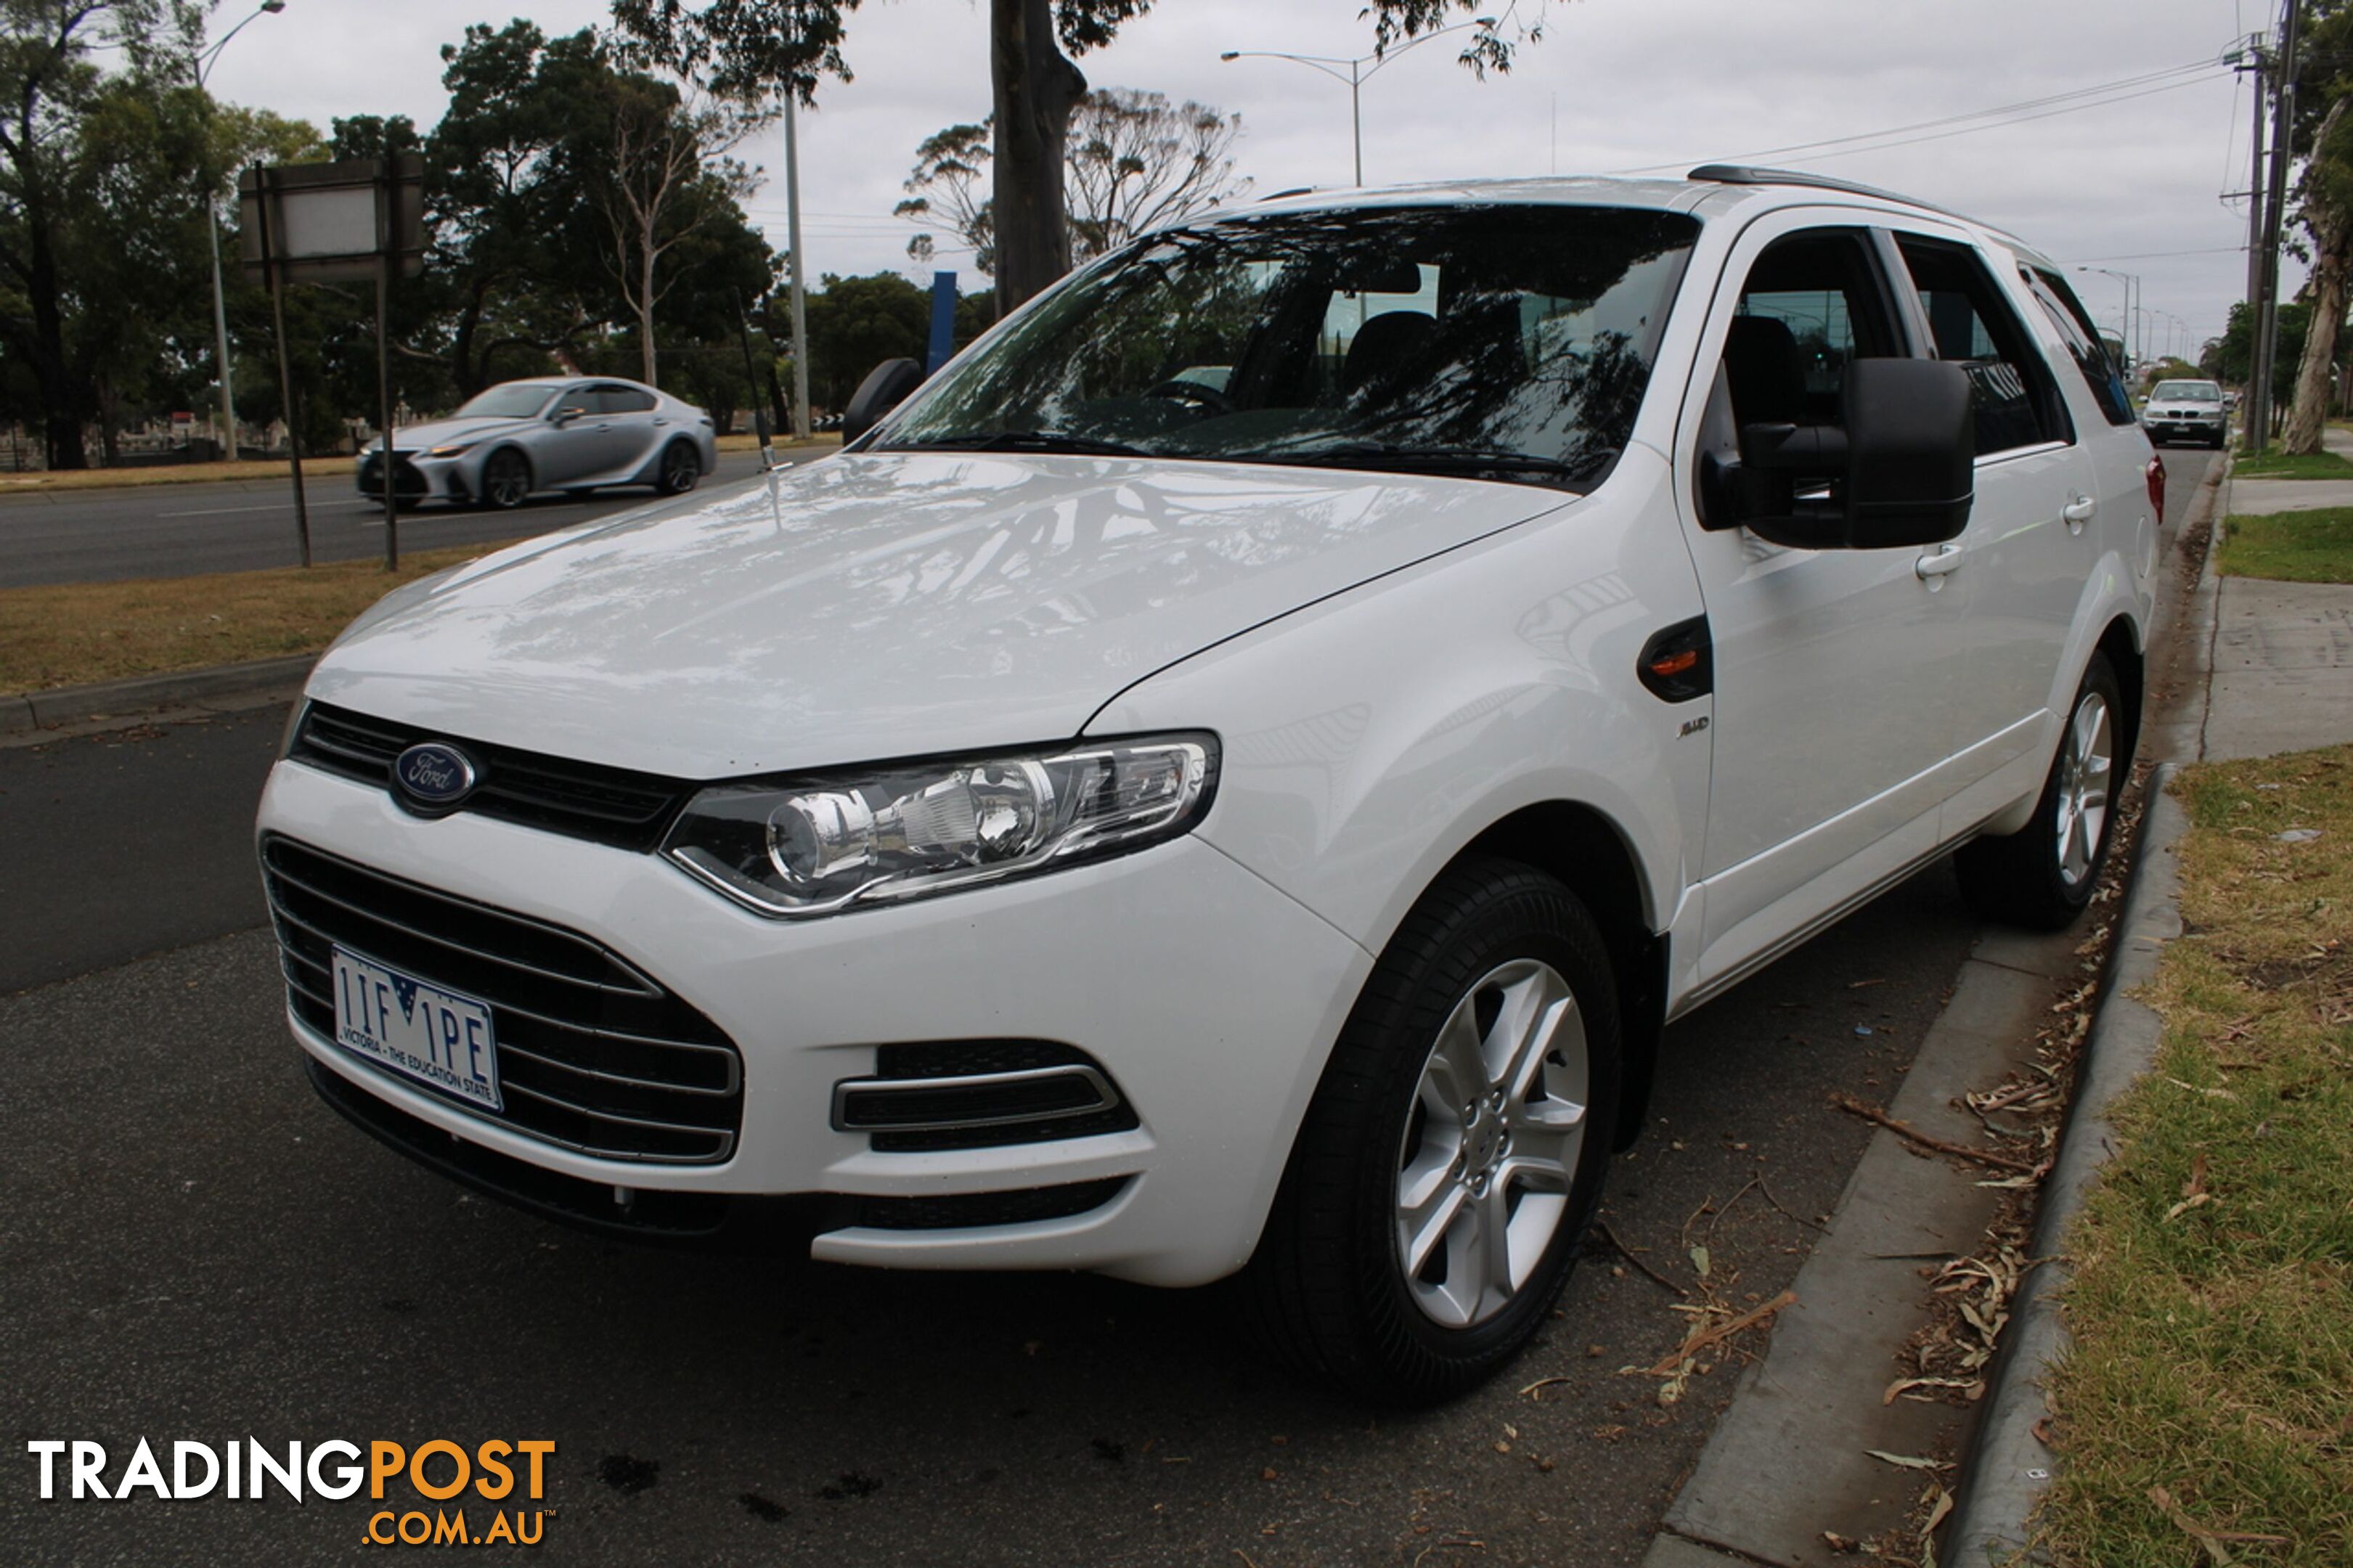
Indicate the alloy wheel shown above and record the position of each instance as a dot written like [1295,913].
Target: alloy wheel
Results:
[507,482]
[1491,1147]
[2086,762]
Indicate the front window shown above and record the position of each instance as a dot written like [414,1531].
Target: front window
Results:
[1507,342]
[2185,392]
[515,400]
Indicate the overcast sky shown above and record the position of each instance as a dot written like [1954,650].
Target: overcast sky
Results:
[2133,184]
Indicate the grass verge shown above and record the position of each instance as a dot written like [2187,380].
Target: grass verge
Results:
[171,474]
[2207,1403]
[2314,546]
[77,632]
[2303,466]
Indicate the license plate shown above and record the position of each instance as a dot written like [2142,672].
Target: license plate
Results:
[416,1027]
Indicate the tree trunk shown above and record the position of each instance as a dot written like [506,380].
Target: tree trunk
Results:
[646,303]
[2330,224]
[1036,89]
[2316,376]
[61,397]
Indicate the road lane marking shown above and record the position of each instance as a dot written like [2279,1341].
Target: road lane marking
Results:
[274,506]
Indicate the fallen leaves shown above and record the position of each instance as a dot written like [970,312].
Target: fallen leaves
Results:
[1905,1462]
[2193,1190]
[2214,1542]
[1715,1324]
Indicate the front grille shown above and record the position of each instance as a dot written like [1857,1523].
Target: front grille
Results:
[582,800]
[408,480]
[980,1094]
[593,1055]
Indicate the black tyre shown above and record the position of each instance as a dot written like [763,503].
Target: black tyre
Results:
[1455,1148]
[506,479]
[681,471]
[2044,875]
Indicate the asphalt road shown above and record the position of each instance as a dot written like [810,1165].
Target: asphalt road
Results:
[194,1247]
[178,530]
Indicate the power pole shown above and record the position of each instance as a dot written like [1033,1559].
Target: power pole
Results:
[2266,324]
[2254,65]
[799,296]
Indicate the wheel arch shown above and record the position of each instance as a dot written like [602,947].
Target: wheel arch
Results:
[2120,640]
[1592,856]
[530,469]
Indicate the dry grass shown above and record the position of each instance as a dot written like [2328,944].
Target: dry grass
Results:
[2207,1404]
[173,474]
[77,632]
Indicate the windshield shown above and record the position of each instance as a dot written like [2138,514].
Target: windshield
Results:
[1510,342]
[2187,391]
[515,400]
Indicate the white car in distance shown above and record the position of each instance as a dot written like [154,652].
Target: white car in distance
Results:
[1113,816]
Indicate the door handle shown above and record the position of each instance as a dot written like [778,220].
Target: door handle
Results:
[1945,558]
[2079,512]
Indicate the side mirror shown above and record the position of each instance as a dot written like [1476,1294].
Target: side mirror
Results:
[885,387]
[1901,471]
[564,417]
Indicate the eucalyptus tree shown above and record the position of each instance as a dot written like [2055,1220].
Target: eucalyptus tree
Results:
[755,49]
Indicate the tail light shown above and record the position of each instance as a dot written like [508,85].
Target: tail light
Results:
[2155,476]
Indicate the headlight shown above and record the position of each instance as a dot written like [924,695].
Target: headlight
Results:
[457,450]
[812,846]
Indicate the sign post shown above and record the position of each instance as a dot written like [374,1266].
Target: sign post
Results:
[324,222]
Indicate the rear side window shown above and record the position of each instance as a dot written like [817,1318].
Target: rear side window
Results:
[2084,346]
[622,400]
[2017,402]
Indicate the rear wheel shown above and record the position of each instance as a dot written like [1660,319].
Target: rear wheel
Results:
[1455,1148]
[506,479]
[2044,875]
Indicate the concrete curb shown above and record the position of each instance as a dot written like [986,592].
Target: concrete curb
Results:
[221,683]
[2009,1468]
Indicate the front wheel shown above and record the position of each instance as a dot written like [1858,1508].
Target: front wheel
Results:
[681,471]
[1455,1148]
[2044,875]
[506,479]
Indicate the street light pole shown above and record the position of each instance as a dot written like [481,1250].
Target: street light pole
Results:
[1360,71]
[202,64]
[2124,331]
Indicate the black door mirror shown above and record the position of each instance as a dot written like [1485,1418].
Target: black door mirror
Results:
[567,413]
[885,387]
[1899,471]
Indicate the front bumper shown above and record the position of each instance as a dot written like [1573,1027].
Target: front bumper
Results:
[415,477]
[1210,998]
[2163,428]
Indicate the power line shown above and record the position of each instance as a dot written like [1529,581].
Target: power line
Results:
[2154,255]
[2198,67]
[2014,120]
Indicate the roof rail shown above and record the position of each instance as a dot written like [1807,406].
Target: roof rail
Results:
[1749,174]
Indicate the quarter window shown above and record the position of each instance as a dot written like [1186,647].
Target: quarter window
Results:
[2084,345]
[2017,402]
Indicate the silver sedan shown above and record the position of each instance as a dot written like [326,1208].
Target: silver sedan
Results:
[522,436]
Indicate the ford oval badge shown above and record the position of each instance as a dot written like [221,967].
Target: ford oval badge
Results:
[434,775]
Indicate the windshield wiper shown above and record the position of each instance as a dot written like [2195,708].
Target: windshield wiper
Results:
[1438,460]
[1026,441]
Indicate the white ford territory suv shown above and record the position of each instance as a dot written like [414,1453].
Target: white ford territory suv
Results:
[1233,774]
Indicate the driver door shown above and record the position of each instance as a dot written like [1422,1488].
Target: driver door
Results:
[1830,722]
